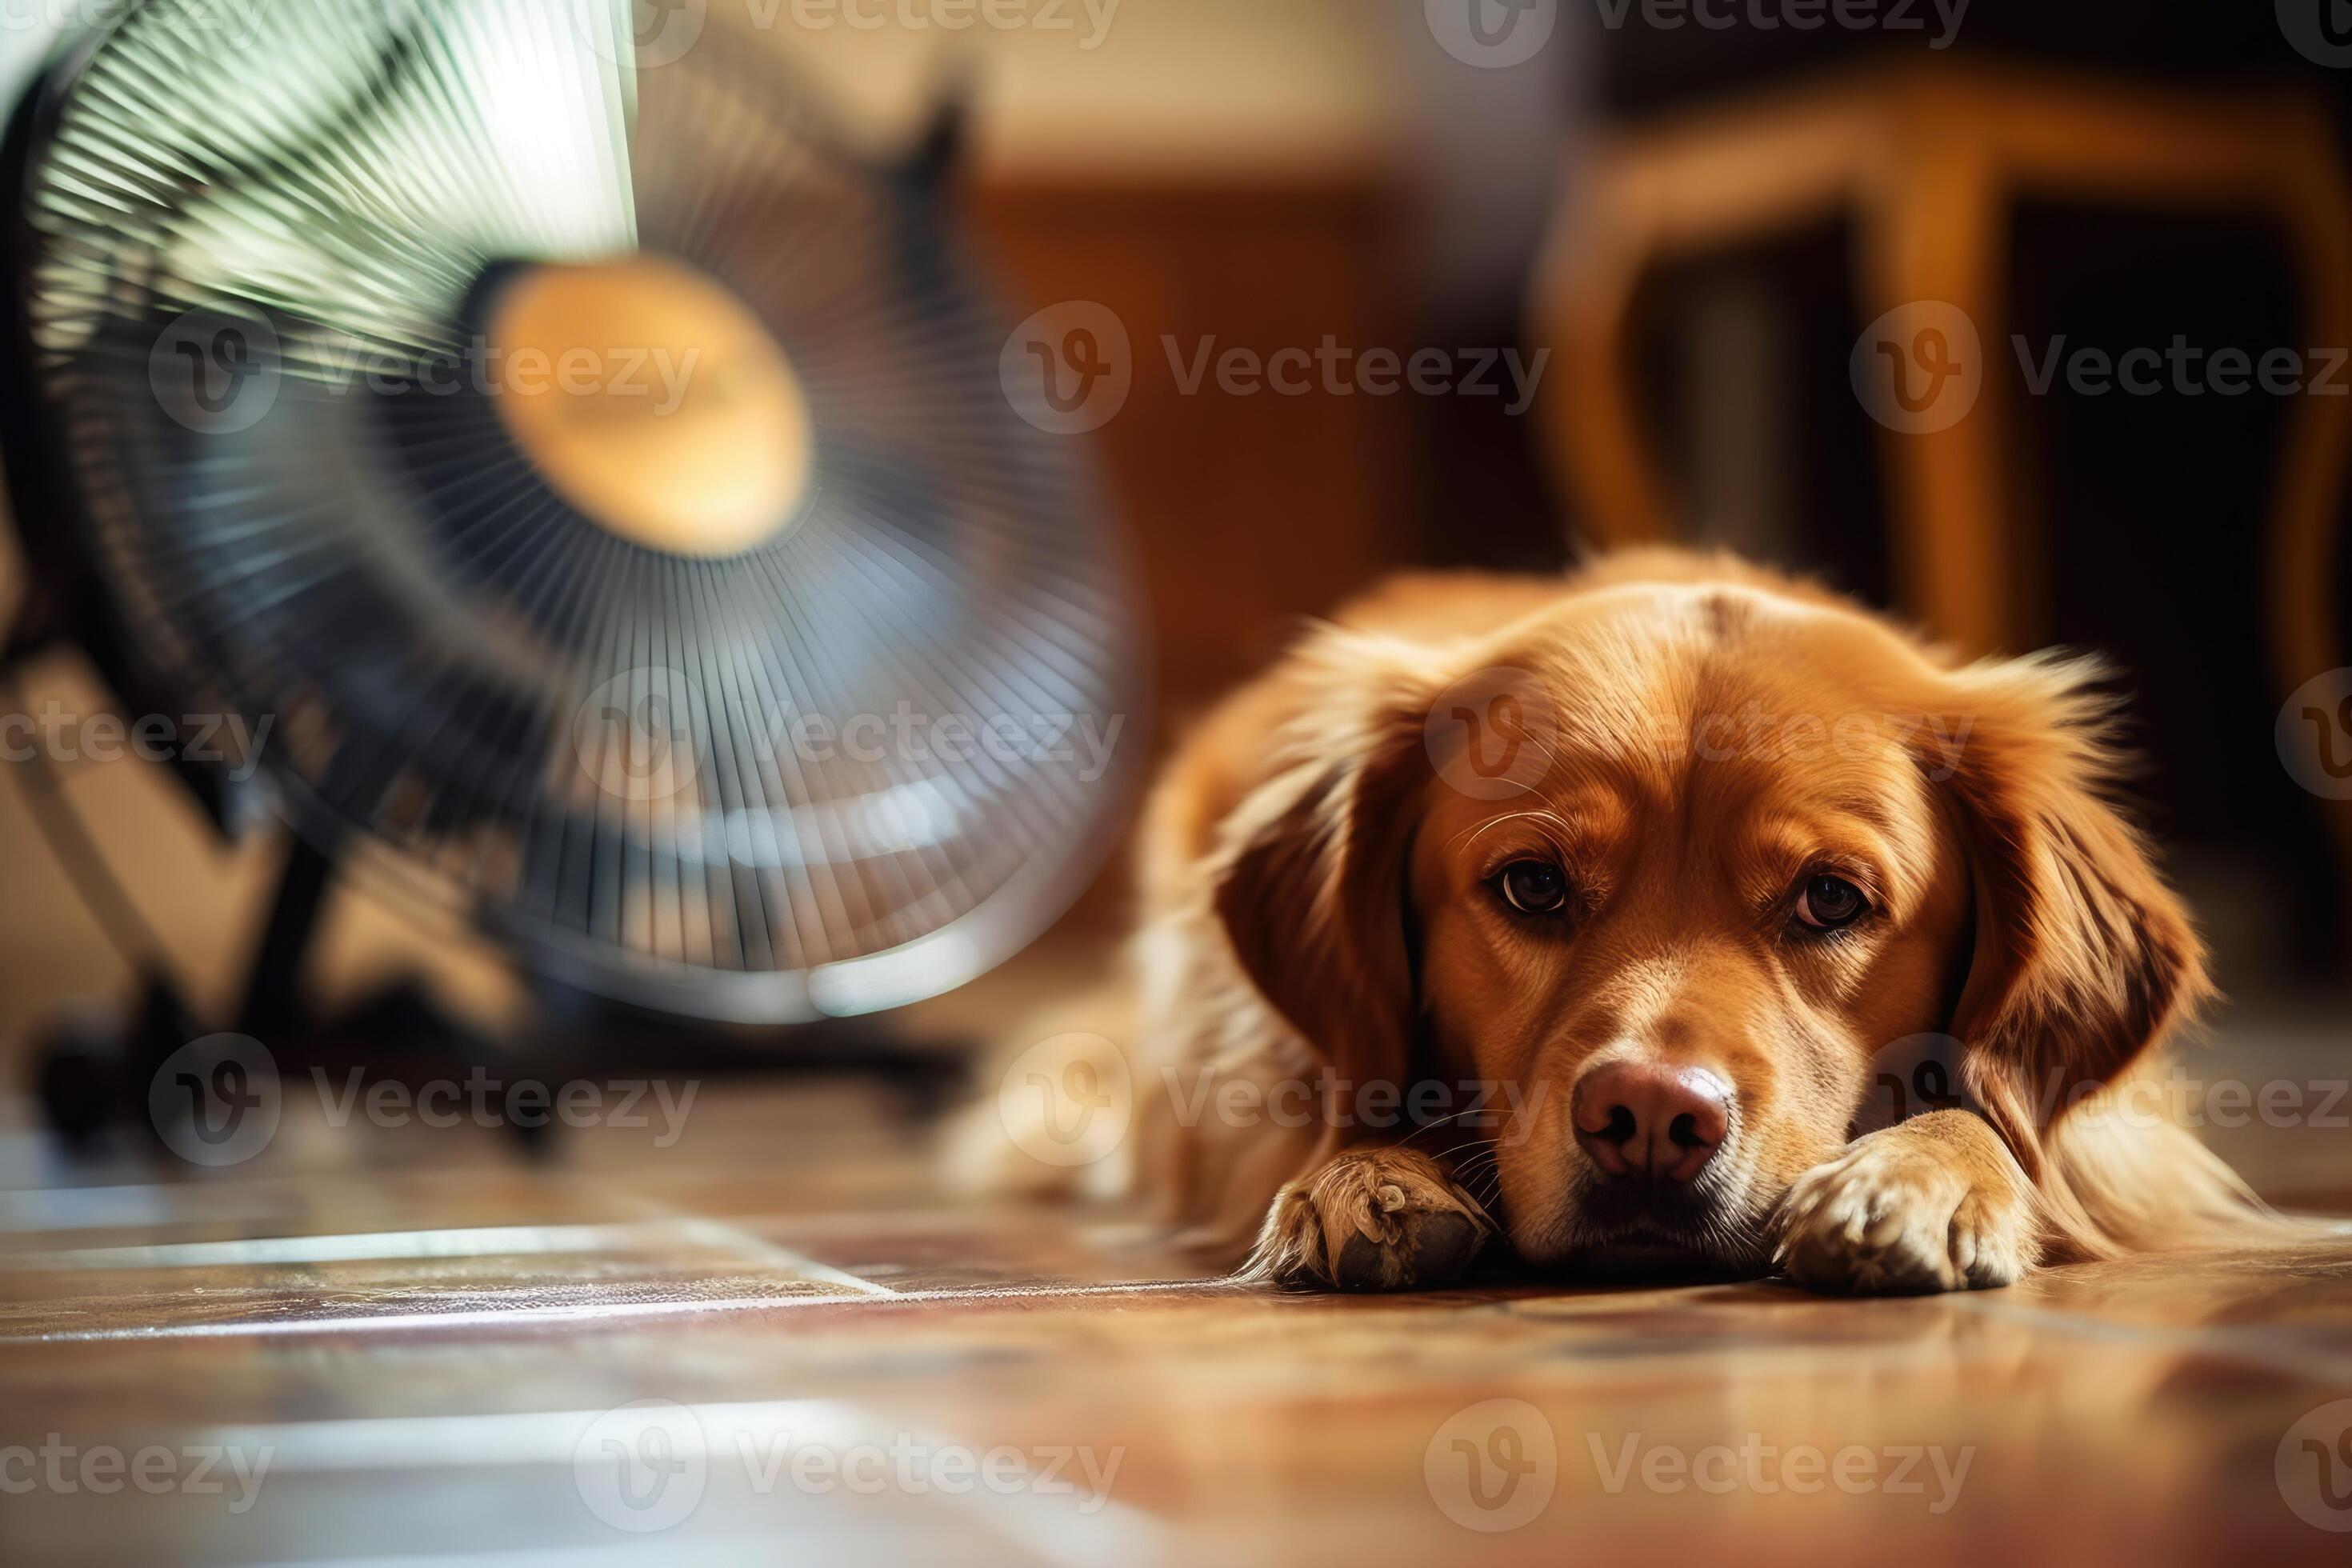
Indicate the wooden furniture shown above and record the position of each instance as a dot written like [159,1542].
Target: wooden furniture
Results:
[1928,162]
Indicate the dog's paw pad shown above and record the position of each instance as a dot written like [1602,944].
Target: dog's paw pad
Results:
[1891,1220]
[1371,1220]
[1431,1247]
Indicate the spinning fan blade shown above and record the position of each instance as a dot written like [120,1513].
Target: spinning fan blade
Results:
[593,478]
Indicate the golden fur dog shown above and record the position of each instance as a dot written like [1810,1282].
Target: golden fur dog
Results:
[1580,916]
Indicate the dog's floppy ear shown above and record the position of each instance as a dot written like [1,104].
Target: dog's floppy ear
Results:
[1314,890]
[2083,958]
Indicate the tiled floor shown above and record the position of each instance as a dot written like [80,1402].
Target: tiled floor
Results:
[389,1346]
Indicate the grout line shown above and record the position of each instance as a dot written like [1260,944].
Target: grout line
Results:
[718,1234]
[534,1316]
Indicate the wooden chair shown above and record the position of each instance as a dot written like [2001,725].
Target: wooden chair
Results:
[1928,162]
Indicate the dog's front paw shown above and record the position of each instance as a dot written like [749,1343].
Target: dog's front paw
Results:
[1910,1210]
[1370,1219]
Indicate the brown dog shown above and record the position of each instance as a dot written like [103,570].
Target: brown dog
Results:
[1587,915]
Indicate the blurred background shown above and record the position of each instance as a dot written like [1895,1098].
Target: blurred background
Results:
[1685,230]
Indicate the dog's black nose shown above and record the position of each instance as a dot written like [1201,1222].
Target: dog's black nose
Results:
[1645,1122]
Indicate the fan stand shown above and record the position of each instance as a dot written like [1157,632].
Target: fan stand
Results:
[92,1070]
[92,1073]
[92,1064]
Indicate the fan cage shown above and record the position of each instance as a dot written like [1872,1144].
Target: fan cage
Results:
[947,552]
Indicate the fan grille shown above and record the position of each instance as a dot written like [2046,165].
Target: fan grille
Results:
[851,765]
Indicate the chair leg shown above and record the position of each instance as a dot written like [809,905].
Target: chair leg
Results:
[1603,459]
[1935,231]
[2304,563]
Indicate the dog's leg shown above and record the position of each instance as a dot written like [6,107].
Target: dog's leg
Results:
[1936,1202]
[1370,1219]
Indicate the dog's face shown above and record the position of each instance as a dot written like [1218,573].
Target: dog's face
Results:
[1688,859]
[1728,885]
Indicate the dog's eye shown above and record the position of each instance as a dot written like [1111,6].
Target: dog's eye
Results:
[1829,903]
[1534,887]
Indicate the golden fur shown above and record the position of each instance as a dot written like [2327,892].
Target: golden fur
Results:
[1319,909]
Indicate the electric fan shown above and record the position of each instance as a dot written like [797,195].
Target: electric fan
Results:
[583,477]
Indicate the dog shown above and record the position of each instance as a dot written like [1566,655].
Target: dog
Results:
[1578,920]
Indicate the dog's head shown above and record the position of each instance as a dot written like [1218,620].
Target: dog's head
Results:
[1664,867]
